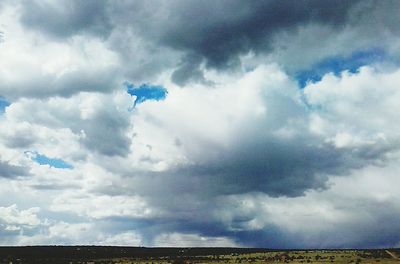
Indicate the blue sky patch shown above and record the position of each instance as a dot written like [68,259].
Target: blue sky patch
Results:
[338,64]
[146,92]
[44,160]
[3,104]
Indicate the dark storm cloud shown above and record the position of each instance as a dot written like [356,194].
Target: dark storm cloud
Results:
[214,31]
[365,233]
[8,170]
[276,168]
[67,18]
[217,32]
[351,233]
[210,32]
[355,233]
[220,30]
[202,26]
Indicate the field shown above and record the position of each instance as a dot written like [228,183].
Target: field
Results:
[127,255]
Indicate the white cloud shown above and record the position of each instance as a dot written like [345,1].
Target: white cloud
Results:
[68,231]
[56,233]
[192,240]
[363,103]
[14,219]
[41,67]
[128,238]
[103,206]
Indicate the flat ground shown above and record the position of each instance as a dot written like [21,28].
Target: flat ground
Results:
[102,255]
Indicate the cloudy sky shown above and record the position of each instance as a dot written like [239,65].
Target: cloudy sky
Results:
[200,123]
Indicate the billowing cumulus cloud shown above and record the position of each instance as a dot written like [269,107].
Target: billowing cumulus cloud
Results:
[199,124]
[49,68]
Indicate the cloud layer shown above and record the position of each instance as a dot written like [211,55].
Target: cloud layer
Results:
[199,124]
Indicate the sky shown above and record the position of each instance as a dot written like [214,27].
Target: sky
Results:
[200,123]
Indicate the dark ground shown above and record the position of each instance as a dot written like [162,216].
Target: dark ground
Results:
[105,254]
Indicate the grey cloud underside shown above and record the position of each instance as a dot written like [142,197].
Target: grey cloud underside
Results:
[365,233]
[201,216]
[63,19]
[8,170]
[41,86]
[188,71]
[219,31]
[216,33]
[275,167]
[22,139]
[106,133]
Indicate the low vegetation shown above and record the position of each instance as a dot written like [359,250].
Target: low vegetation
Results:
[128,255]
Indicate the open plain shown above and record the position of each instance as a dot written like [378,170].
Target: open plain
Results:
[128,255]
